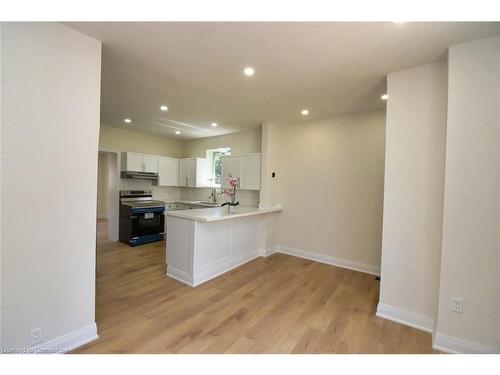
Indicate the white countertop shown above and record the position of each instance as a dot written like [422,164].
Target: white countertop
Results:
[195,203]
[221,213]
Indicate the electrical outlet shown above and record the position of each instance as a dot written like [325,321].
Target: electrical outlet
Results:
[36,336]
[457,305]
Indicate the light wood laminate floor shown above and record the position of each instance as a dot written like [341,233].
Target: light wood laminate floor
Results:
[279,304]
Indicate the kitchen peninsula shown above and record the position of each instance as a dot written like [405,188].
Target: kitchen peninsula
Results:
[205,243]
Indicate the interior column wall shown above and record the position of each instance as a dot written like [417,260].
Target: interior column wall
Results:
[413,194]
[470,263]
[1,184]
[48,250]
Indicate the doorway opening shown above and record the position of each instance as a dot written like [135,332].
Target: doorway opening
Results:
[107,196]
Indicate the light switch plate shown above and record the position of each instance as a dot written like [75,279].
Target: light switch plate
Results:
[457,305]
[36,336]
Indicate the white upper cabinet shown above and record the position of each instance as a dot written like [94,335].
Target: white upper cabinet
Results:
[150,163]
[250,172]
[135,162]
[131,162]
[245,167]
[193,172]
[184,172]
[168,171]
[231,165]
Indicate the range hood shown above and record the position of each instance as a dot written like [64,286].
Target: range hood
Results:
[139,175]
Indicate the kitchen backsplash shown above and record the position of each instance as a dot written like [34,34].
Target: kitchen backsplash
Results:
[162,193]
[245,197]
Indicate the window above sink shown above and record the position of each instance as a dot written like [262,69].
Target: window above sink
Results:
[214,158]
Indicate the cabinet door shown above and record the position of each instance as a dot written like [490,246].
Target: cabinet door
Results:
[231,165]
[191,172]
[150,163]
[168,171]
[183,172]
[250,172]
[133,162]
[202,173]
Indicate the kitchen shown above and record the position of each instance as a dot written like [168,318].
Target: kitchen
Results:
[151,187]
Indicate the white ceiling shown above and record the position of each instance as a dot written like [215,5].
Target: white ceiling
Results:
[196,69]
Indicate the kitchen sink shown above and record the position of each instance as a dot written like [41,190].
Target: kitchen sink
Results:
[209,203]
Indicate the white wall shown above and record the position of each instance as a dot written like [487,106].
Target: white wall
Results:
[1,183]
[245,142]
[117,139]
[269,192]
[329,179]
[470,263]
[50,125]
[413,192]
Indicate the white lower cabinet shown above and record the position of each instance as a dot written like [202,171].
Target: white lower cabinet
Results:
[168,171]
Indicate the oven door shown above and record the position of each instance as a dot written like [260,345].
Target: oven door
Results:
[147,221]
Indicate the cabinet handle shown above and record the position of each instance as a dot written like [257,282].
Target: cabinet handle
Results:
[186,181]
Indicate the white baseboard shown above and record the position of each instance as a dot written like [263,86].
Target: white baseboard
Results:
[215,269]
[212,270]
[405,317]
[333,261]
[69,341]
[455,345]
[267,252]
[179,275]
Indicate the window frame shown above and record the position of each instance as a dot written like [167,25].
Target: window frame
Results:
[210,153]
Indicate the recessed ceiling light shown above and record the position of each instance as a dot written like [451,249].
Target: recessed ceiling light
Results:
[249,71]
[214,124]
[177,132]
[384,97]
[304,112]
[127,121]
[398,21]
[164,108]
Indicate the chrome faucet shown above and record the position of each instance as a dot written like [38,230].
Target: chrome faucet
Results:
[213,195]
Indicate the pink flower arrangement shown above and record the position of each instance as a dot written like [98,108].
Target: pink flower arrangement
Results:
[231,190]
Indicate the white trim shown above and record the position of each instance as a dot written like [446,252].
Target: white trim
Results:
[455,345]
[69,341]
[212,270]
[328,259]
[267,252]
[405,317]
[215,269]
[179,275]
